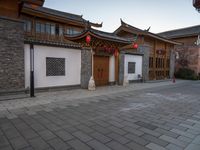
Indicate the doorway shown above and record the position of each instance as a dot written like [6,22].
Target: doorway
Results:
[101,70]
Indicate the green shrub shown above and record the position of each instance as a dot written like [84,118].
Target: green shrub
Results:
[186,73]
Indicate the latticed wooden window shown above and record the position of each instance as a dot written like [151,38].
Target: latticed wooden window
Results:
[131,67]
[55,66]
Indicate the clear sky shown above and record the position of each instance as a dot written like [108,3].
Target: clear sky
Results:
[161,15]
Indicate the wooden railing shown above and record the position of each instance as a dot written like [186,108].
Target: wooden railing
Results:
[44,37]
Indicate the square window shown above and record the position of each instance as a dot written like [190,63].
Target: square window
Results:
[55,66]
[131,67]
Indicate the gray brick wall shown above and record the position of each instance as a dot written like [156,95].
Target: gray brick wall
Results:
[11,55]
[86,67]
[121,67]
[145,61]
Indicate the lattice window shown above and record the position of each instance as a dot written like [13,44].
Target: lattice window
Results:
[131,67]
[55,66]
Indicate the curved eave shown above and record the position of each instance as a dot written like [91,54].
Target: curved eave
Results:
[88,32]
[30,11]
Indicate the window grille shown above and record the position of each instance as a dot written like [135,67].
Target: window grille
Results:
[55,66]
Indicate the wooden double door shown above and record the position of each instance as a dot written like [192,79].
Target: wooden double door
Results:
[101,70]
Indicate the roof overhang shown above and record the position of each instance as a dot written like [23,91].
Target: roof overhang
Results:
[99,35]
[133,30]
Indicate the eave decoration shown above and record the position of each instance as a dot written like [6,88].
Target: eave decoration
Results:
[102,43]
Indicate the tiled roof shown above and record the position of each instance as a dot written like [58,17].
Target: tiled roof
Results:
[183,32]
[110,35]
[53,43]
[99,34]
[56,13]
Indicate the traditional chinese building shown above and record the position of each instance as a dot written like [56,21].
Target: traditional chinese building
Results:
[189,51]
[52,44]
[159,57]
[49,49]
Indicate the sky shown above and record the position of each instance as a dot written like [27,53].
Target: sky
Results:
[161,15]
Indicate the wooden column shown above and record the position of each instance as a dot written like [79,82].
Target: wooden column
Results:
[154,60]
[165,61]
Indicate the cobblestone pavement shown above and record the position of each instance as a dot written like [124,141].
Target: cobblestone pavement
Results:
[152,116]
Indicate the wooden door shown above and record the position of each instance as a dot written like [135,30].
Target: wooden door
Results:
[101,70]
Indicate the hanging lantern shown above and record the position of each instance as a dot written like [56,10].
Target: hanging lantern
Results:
[135,45]
[88,39]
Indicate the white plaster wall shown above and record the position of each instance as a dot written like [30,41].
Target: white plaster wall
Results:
[111,69]
[72,66]
[138,66]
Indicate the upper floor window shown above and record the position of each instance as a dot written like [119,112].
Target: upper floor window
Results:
[27,25]
[45,28]
[72,31]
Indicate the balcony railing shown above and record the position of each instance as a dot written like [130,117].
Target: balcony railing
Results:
[44,37]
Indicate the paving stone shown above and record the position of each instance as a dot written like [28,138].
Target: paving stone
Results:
[102,123]
[190,127]
[101,129]
[182,133]
[193,132]
[78,145]
[137,139]
[116,146]
[151,132]
[155,146]
[65,136]
[135,146]
[28,148]
[173,126]
[117,130]
[84,128]
[53,127]
[6,148]
[155,140]
[193,121]
[185,139]
[196,140]
[168,133]
[100,137]
[118,138]
[46,134]
[146,125]
[192,147]
[130,124]
[58,144]
[173,147]
[132,130]
[12,133]
[29,133]
[18,143]
[116,124]
[37,127]
[82,136]
[69,129]
[3,141]
[173,140]
[38,143]
[97,145]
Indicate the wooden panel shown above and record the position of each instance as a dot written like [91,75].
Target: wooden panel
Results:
[101,70]
[9,8]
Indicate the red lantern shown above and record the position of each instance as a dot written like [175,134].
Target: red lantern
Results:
[135,45]
[88,39]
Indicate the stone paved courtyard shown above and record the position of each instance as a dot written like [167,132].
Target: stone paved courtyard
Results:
[147,116]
